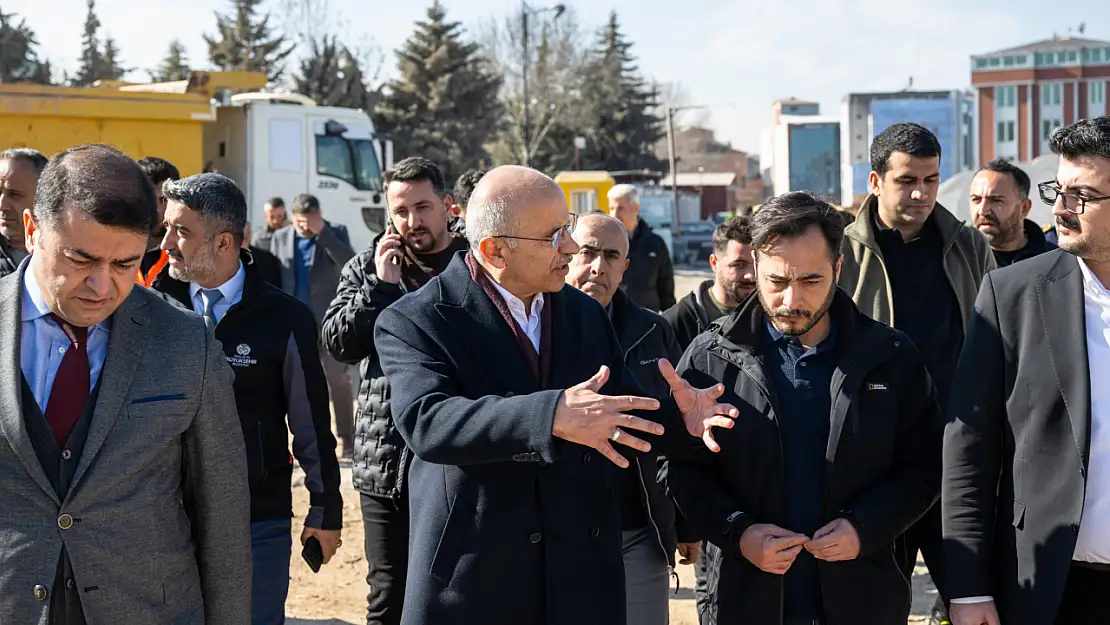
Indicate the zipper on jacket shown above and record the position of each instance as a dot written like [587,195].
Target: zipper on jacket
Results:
[640,472]
[261,454]
[782,472]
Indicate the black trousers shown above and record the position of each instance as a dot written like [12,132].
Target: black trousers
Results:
[924,536]
[1084,601]
[385,525]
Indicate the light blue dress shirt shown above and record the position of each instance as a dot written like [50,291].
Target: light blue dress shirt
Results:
[232,291]
[43,343]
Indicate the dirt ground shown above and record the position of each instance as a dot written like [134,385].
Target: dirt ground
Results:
[337,594]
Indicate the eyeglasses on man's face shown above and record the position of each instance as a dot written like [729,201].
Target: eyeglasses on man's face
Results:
[554,239]
[1073,202]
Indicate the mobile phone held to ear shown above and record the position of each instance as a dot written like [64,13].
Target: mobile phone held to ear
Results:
[389,229]
[313,554]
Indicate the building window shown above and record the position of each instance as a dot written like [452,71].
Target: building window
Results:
[1049,125]
[1008,61]
[1052,94]
[981,63]
[1010,130]
[1061,57]
[1021,59]
[995,62]
[1097,92]
[1072,56]
[1001,131]
[1007,97]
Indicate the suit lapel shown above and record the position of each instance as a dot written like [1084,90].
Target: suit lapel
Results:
[1060,295]
[476,322]
[125,350]
[11,405]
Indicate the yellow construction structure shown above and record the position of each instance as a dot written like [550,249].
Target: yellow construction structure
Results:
[586,191]
[159,119]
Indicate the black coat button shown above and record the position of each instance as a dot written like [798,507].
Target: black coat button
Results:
[595,532]
[535,537]
[586,457]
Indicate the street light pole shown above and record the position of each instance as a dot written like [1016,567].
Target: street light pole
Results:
[676,219]
[526,58]
[672,156]
[526,132]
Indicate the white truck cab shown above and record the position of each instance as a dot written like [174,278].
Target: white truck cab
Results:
[284,145]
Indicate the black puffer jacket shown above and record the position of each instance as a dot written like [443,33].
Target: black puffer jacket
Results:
[646,337]
[381,458]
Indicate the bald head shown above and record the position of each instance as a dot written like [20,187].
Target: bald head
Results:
[505,198]
[598,267]
[603,229]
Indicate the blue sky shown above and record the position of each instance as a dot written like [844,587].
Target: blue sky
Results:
[735,55]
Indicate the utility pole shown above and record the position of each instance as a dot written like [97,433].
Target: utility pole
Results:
[672,156]
[676,219]
[525,61]
[527,55]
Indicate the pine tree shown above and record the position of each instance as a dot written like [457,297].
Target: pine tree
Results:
[18,60]
[625,126]
[174,67]
[110,68]
[89,70]
[247,42]
[444,106]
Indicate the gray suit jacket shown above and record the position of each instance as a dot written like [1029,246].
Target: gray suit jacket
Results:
[159,496]
[333,250]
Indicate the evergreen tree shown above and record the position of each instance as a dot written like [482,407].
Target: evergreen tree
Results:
[331,76]
[625,126]
[247,42]
[110,68]
[89,70]
[444,106]
[18,60]
[174,67]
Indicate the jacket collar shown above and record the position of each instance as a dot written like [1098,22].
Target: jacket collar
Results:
[253,286]
[863,228]
[630,321]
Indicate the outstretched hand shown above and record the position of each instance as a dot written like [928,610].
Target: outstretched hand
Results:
[586,417]
[699,407]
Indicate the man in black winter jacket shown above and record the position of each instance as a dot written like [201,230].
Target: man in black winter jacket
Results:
[650,276]
[269,339]
[836,451]
[647,515]
[733,280]
[999,205]
[417,246]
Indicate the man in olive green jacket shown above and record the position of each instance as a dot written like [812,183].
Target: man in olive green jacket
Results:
[966,253]
[910,263]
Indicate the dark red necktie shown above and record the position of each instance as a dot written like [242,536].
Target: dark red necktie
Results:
[70,391]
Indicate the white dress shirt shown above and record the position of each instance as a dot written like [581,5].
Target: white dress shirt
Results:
[1093,543]
[529,322]
[232,291]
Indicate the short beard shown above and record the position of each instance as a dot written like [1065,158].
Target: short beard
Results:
[813,319]
[200,269]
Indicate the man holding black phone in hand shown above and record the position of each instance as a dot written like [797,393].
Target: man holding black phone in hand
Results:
[416,246]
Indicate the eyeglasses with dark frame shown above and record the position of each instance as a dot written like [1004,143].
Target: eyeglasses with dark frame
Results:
[1050,192]
[554,239]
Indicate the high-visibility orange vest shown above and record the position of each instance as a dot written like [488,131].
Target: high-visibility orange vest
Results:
[148,280]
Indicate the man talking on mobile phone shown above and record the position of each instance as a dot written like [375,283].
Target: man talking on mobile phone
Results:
[416,246]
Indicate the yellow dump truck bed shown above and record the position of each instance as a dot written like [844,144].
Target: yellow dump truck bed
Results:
[164,119]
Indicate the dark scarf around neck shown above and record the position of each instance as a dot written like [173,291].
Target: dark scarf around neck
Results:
[540,364]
